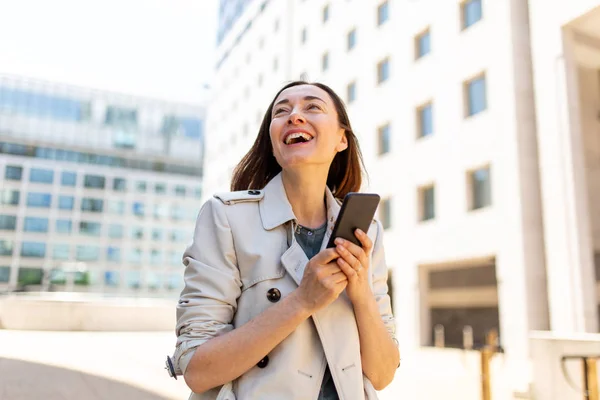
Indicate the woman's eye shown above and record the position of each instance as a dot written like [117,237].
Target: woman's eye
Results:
[312,107]
[279,111]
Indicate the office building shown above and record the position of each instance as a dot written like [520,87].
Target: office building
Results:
[99,191]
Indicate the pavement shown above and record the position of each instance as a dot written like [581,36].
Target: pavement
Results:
[87,366]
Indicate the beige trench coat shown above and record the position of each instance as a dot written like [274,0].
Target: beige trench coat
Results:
[244,246]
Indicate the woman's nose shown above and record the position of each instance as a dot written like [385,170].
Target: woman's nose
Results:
[295,119]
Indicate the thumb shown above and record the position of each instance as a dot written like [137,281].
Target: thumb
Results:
[326,256]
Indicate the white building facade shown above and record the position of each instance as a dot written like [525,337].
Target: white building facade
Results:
[479,124]
[98,191]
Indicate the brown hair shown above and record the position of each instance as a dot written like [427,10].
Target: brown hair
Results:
[259,165]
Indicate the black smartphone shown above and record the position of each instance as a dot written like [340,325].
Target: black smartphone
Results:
[357,212]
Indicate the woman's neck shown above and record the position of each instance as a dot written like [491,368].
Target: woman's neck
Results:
[306,194]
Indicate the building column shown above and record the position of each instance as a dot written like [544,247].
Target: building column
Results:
[567,231]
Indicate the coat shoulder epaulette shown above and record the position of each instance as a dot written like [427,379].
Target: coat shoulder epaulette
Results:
[240,196]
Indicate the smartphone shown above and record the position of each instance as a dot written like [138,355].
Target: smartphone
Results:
[357,212]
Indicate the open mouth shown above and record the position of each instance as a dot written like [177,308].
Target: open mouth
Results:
[297,137]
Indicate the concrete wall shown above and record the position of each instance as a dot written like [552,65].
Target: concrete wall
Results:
[547,349]
[72,312]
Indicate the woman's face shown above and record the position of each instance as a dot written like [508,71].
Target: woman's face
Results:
[304,128]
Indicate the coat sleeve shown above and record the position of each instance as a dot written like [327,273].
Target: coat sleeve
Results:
[380,286]
[212,284]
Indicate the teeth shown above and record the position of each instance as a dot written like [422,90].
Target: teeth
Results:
[293,136]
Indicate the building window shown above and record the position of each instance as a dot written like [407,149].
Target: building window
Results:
[198,192]
[87,253]
[304,35]
[383,70]
[34,224]
[140,186]
[137,233]
[326,13]
[157,234]
[30,276]
[180,190]
[42,200]
[13,173]
[68,178]
[133,279]
[66,202]
[425,120]
[115,231]
[135,256]
[94,181]
[471,11]
[90,228]
[92,205]
[178,236]
[385,213]
[351,92]
[422,44]
[383,139]
[119,185]
[427,203]
[116,207]
[4,274]
[156,257]
[111,278]
[138,209]
[383,13]
[174,258]
[351,39]
[480,188]
[61,252]
[64,226]
[38,175]
[8,222]
[325,61]
[113,254]
[475,94]
[160,188]
[9,197]
[6,248]
[33,249]
[161,211]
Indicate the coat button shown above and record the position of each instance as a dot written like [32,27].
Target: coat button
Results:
[263,363]
[254,192]
[274,295]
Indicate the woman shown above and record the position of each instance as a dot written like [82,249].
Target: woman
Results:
[267,311]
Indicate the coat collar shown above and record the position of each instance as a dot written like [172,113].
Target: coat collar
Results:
[275,208]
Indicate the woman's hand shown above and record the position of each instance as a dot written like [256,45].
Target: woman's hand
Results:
[323,281]
[354,263]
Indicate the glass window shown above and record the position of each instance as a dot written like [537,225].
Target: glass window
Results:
[113,254]
[134,279]
[137,232]
[87,253]
[481,188]
[351,92]
[4,274]
[39,200]
[156,257]
[135,256]
[177,212]
[157,234]
[13,173]
[179,235]
[94,181]
[325,61]
[30,276]
[9,197]
[476,96]
[174,282]
[68,178]
[160,188]
[115,231]
[111,278]
[180,190]
[382,13]
[61,252]
[140,186]
[119,185]
[8,222]
[427,203]
[92,205]
[326,13]
[66,202]
[425,122]
[161,211]
[198,192]
[385,213]
[351,39]
[6,247]
[471,11]
[39,175]
[90,228]
[422,44]
[138,208]
[384,139]
[34,224]
[175,258]
[33,249]
[64,226]
[383,71]
[116,207]
[58,277]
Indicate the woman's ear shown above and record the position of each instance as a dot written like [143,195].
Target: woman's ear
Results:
[343,144]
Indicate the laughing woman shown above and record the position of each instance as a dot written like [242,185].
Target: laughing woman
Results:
[268,312]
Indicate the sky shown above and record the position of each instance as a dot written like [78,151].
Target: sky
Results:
[156,48]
